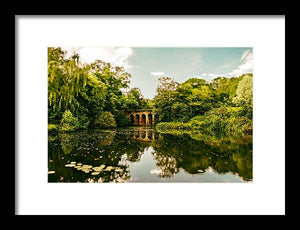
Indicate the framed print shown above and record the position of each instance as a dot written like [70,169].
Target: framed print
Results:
[150,112]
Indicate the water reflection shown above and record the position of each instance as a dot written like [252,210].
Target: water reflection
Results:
[140,154]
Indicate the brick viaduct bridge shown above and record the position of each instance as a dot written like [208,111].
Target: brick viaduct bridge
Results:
[141,116]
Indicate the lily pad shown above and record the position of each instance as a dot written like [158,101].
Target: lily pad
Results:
[73,163]
[200,170]
[95,173]
[79,164]
[97,169]
[87,166]
[69,165]
[118,170]
[51,172]
[109,168]
[102,166]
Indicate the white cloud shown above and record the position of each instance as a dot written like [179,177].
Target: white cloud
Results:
[113,55]
[157,73]
[246,65]
[245,54]
[155,171]
[225,65]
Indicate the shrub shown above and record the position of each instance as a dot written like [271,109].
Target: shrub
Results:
[83,121]
[219,122]
[247,128]
[173,125]
[68,122]
[197,122]
[239,126]
[214,125]
[106,120]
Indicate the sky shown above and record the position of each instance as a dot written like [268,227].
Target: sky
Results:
[147,64]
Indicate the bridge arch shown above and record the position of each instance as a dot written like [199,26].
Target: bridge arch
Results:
[141,117]
[150,119]
[137,119]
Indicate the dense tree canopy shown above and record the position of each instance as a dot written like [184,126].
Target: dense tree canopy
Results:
[195,96]
[81,95]
[88,90]
[223,105]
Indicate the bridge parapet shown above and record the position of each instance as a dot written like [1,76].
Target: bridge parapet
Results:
[140,110]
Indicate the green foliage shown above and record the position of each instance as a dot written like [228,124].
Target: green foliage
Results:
[91,100]
[225,88]
[88,90]
[214,125]
[181,102]
[173,125]
[122,120]
[52,129]
[220,121]
[239,126]
[244,95]
[135,100]
[106,120]
[69,122]
[66,78]
[244,92]
[164,105]
[221,107]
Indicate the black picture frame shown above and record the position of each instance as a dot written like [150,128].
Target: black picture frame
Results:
[11,102]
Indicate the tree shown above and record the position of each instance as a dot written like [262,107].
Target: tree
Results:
[115,79]
[166,84]
[192,83]
[106,120]
[181,102]
[66,78]
[200,100]
[68,122]
[244,95]
[135,99]
[166,96]
[84,89]
[92,99]
[244,92]
[224,89]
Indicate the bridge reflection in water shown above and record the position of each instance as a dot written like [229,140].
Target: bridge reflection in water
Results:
[142,134]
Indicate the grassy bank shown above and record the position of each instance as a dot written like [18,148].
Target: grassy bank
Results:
[220,121]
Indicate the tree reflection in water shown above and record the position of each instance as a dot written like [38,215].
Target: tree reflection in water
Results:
[117,150]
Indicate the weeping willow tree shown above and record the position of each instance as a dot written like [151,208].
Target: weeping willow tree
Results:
[66,78]
[85,90]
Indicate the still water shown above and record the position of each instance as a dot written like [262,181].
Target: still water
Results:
[141,154]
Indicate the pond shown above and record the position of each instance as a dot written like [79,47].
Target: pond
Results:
[141,154]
